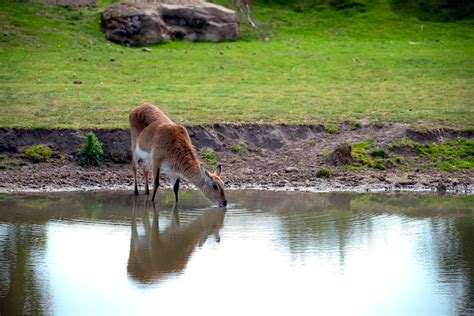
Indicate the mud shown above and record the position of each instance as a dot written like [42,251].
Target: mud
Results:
[284,157]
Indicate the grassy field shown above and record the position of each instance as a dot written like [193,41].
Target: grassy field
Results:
[315,67]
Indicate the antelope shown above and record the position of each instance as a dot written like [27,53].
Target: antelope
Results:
[157,254]
[165,147]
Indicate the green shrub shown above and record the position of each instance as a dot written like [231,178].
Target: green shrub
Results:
[37,153]
[323,173]
[90,152]
[236,148]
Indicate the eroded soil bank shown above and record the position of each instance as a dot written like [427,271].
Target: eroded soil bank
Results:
[265,156]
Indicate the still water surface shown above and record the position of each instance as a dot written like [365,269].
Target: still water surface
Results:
[269,253]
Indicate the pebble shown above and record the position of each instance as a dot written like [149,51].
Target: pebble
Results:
[291,169]
[247,171]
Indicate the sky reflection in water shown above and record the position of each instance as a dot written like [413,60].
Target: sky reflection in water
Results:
[270,253]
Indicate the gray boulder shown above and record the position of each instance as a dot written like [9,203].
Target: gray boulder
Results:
[151,23]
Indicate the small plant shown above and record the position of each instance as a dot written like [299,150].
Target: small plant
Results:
[37,153]
[331,128]
[312,142]
[3,156]
[236,148]
[323,173]
[210,157]
[396,160]
[355,124]
[90,152]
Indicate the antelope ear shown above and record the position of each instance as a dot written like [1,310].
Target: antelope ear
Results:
[204,172]
[218,170]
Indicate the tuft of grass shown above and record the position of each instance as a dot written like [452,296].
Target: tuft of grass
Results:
[360,152]
[236,148]
[209,157]
[314,67]
[331,128]
[324,173]
[91,152]
[452,155]
[355,124]
[396,160]
[37,153]
[312,142]
[3,156]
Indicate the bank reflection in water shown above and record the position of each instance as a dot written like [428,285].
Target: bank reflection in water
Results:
[156,254]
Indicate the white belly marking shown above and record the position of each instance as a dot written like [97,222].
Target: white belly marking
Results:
[141,155]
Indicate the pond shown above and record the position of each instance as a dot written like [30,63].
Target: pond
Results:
[107,253]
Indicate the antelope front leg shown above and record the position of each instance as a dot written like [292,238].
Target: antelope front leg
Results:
[176,189]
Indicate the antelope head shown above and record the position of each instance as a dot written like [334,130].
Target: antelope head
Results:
[213,187]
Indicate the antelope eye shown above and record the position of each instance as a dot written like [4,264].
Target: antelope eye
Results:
[215,187]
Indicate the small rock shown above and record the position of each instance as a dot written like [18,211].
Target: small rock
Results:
[77,82]
[247,171]
[441,187]
[291,169]
[146,49]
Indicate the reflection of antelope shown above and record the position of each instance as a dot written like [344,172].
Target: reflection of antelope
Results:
[157,254]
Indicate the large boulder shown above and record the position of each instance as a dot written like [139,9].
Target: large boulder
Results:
[151,23]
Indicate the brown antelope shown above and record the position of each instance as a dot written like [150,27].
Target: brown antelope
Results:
[163,146]
[157,254]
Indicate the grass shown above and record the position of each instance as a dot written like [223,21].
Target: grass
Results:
[456,154]
[236,148]
[314,67]
[323,173]
[209,158]
[37,153]
[362,153]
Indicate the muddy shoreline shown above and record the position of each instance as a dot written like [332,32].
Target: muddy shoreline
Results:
[271,157]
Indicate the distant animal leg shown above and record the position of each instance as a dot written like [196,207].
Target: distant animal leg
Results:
[134,173]
[145,176]
[175,190]
[156,180]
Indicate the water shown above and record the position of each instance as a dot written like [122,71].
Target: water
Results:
[269,253]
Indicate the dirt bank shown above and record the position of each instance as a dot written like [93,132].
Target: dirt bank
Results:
[268,156]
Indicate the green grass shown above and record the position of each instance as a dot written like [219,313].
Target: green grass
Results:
[236,148]
[452,155]
[209,158]
[323,173]
[363,155]
[37,153]
[315,67]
